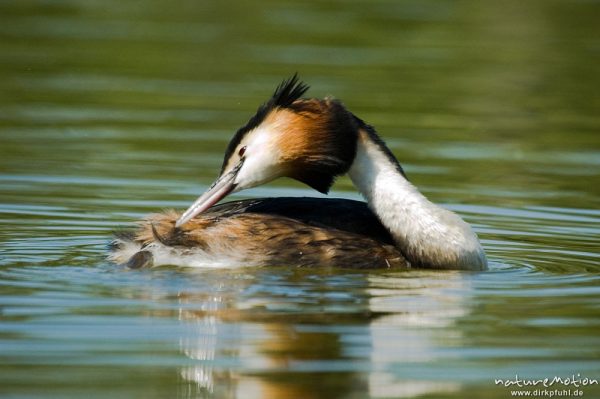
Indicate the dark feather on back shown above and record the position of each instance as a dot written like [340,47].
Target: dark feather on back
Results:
[341,214]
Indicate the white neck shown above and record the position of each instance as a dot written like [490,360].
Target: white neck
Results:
[427,235]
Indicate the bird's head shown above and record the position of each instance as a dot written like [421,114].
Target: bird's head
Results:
[310,140]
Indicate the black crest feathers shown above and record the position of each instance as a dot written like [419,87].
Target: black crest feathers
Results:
[285,94]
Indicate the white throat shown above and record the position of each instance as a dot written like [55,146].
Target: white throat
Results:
[428,235]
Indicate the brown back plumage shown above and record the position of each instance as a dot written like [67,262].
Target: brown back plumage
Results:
[265,237]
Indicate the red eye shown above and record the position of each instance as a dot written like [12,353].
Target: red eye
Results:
[242,151]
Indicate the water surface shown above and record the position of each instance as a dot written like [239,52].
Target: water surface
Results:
[112,110]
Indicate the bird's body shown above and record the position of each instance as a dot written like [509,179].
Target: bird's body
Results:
[312,141]
[304,232]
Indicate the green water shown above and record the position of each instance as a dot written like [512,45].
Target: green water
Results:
[110,110]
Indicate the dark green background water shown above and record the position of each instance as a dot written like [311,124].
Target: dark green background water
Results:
[110,110]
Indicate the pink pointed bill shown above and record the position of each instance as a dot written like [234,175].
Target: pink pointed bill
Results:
[217,191]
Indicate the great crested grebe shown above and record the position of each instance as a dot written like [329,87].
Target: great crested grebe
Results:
[313,141]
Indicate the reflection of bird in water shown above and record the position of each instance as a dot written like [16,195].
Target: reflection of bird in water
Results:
[312,141]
